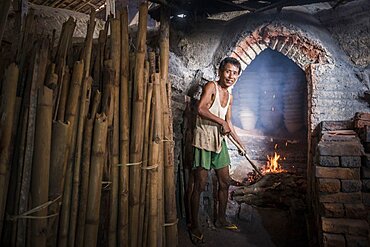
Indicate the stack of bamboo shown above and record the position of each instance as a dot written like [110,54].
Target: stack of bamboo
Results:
[87,154]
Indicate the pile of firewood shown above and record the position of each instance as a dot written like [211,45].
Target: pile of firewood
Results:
[86,151]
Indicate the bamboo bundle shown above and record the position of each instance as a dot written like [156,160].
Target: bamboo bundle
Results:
[124,133]
[58,165]
[169,173]
[40,166]
[136,145]
[115,56]
[84,97]
[95,181]
[7,111]
[71,112]
[155,162]
[85,170]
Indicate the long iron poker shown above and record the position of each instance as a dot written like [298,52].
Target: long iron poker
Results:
[245,154]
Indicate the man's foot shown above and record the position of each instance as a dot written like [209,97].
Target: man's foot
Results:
[196,237]
[227,225]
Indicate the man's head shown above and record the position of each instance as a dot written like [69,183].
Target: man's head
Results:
[229,71]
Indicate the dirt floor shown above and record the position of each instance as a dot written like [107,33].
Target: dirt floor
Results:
[251,231]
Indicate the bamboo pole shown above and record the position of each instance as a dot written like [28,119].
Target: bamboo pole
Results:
[115,56]
[63,93]
[84,97]
[41,164]
[86,53]
[143,188]
[137,118]
[4,9]
[29,106]
[7,111]
[95,181]
[64,44]
[58,166]
[153,237]
[124,133]
[71,112]
[85,169]
[169,171]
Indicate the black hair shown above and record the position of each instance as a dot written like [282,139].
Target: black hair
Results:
[232,61]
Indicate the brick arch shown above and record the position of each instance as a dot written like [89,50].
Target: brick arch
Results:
[293,45]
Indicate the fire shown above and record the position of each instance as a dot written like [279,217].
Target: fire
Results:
[273,165]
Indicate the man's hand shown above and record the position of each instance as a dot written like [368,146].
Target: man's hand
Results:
[225,128]
[242,152]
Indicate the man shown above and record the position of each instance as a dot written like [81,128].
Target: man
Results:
[213,124]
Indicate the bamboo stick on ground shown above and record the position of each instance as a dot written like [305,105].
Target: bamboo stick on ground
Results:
[137,118]
[7,111]
[58,166]
[169,171]
[71,112]
[95,181]
[84,97]
[124,134]
[41,164]
[85,170]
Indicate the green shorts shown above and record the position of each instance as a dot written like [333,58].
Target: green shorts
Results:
[207,159]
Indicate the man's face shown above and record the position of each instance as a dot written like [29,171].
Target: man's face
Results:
[228,75]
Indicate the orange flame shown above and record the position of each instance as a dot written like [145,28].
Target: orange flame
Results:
[273,165]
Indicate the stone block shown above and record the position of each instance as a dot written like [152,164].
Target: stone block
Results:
[332,210]
[355,210]
[341,197]
[329,185]
[365,172]
[331,161]
[336,125]
[366,160]
[355,227]
[340,149]
[350,161]
[333,240]
[356,241]
[366,185]
[340,173]
[366,199]
[351,185]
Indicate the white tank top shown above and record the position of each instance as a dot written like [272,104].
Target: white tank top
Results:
[207,134]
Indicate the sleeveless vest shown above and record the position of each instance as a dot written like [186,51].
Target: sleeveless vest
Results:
[207,134]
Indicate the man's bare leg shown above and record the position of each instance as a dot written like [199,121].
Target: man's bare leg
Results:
[200,180]
[223,193]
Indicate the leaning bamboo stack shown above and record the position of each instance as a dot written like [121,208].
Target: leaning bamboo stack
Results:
[88,155]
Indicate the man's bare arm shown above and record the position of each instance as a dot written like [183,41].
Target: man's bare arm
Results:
[205,102]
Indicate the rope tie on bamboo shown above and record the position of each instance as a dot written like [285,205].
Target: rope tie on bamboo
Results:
[131,164]
[171,223]
[26,215]
[167,140]
[150,167]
